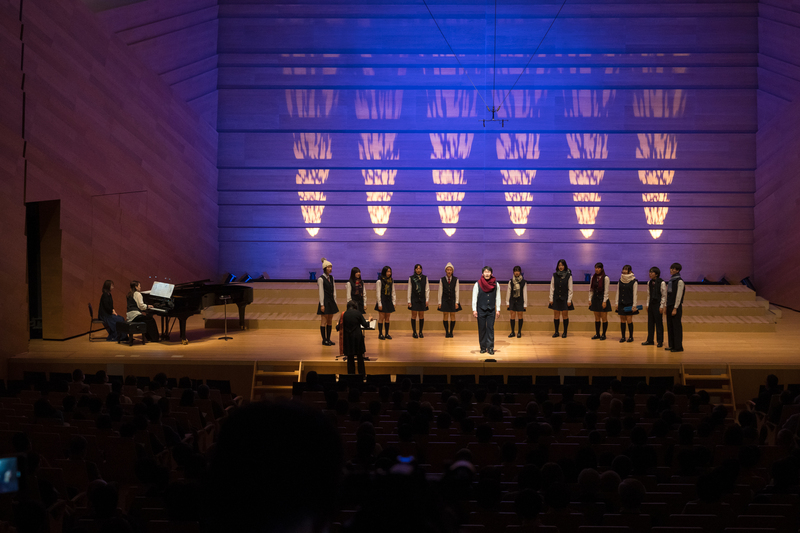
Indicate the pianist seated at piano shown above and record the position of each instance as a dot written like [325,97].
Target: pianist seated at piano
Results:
[137,311]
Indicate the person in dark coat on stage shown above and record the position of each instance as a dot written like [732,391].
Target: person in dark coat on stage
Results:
[486,302]
[627,291]
[419,292]
[656,306]
[327,302]
[674,311]
[108,314]
[354,347]
[449,303]
[561,296]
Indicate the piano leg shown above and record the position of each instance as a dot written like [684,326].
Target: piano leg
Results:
[182,321]
[241,307]
[164,328]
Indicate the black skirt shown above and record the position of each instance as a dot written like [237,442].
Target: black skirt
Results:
[597,304]
[386,302]
[418,303]
[516,304]
[449,307]
[330,307]
[561,305]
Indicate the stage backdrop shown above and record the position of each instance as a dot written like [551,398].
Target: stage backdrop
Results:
[351,131]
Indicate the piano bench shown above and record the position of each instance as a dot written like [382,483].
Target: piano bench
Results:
[132,328]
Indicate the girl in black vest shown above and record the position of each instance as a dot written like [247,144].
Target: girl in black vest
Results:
[598,300]
[561,296]
[355,290]
[656,305]
[136,311]
[386,300]
[419,291]
[449,303]
[517,299]
[674,311]
[627,289]
[327,302]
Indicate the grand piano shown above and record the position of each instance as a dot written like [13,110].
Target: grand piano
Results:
[191,298]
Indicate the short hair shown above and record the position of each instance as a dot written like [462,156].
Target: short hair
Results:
[107,285]
[627,267]
[77,375]
[417,265]
[676,266]
[517,268]
[656,270]
[598,265]
[352,305]
[487,267]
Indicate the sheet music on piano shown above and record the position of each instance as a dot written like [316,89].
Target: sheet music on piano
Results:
[162,290]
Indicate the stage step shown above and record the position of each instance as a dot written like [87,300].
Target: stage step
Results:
[707,308]
[716,381]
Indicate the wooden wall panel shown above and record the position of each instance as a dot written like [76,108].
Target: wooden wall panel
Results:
[632,128]
[13,273]
[177,39]
[133,166]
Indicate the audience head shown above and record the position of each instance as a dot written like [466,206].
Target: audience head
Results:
[77,376]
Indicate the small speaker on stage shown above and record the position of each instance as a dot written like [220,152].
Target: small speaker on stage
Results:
[747,283]
[229,278]
[246,277]
[263,277]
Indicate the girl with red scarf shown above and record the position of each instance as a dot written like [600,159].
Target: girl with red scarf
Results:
[486,302]
[598,300]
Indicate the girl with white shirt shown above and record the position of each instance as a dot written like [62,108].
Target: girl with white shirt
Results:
[517,299]
[419,292]
[386,298]
[627,289]
[449,299]
[137,311]
[327,302]
[354,290]
[561,296]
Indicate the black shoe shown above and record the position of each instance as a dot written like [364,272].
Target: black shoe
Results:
[676,350]
[647,343]
[659,345]
[388,337]
[512,334]
[331,343]
[595,337]
[602,337]
[622,339]
[324,342]
[519,335]
[421,336]
[381,337]
[415,335]
[483,350]
[564,335]
[556,334]
[630,339]
[491,351]
[668,349]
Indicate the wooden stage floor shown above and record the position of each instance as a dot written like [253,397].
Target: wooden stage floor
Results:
[781,348]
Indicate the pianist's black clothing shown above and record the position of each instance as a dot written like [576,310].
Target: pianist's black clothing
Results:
[105,312]
[152,328]
[353,340]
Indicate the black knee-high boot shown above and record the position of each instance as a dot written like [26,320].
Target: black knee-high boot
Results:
[605,328]
[421,327]
[566,325]
[446,331]
[596,330]
[386,325]
[519,327]
[622,328]
[322,332]
[414,327]
[380,330]
[512,334]
[555,325]
[630,332]
[328,335]
[452,327]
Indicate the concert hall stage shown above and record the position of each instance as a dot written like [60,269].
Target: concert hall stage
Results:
[270,357]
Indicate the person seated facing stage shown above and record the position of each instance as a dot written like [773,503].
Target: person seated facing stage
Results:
[353,337]
[136,311]
[108,314]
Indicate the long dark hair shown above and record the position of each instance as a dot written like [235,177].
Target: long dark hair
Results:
[107,286]
[597,279]
[384,270]
[415,269]
[353,272]
[564,261]
[134,283]
[356,285]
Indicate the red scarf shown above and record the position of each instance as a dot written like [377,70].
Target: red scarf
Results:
[487,285]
